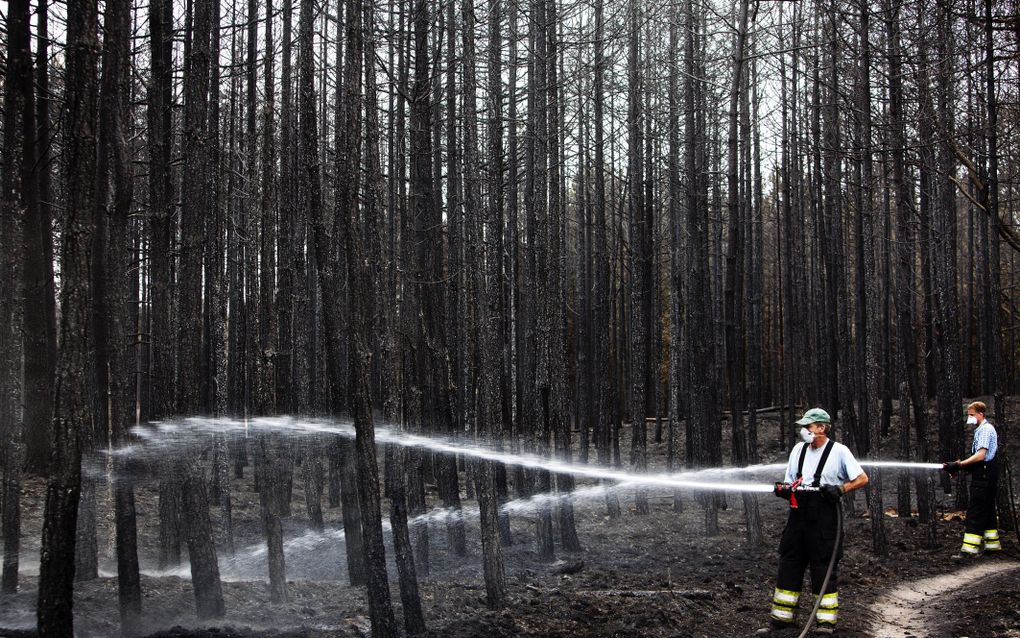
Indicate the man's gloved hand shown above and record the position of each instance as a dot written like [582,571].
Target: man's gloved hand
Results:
[953,467]
[783,490]
[833,493]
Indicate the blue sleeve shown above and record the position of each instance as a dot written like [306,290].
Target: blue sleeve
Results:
[983,439]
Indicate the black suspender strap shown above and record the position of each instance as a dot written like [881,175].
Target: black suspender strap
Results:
[800,465]
[821,463]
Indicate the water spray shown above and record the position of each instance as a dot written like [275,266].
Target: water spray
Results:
[716,479]
[248,563]
[905,465]
[156,434]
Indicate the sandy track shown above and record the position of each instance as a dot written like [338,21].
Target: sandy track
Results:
[912,609]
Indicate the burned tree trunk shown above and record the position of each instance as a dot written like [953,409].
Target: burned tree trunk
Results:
[601,293]
[702,430]
[162,230]
[949,395]
[114,170]
[20,193]
[362,307]
[676,267]
[289,236]
[904,240]
[197,521]
[556,277]
[326,253]
[641,375]
[735,293]
[267,468]
[37,244]
[410,597]
[866,280]
[56,569]
[490,319]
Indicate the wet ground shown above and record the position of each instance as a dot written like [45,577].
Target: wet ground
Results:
[654,575]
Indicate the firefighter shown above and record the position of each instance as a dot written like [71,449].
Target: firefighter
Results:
[981,525]
[810,536]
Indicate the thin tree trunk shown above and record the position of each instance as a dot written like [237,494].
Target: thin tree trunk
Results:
[557,278]
[410,598]
[114,169]
[37,242]
[701,432]
[904,239]
[362,309]
[676,267]
[640,237]
[71,392]
[267,467]
[20,193]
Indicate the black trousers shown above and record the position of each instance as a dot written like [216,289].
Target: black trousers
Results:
[808,543]
[984,482]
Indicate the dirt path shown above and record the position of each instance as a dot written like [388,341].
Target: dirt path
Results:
[914,609]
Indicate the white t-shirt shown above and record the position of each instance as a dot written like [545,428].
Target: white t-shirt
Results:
[840,467]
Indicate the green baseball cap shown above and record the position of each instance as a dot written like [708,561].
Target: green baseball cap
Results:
[814,415]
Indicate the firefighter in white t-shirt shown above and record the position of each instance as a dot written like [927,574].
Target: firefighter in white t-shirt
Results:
[810,536]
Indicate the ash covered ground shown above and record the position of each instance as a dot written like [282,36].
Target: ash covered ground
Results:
[654,575]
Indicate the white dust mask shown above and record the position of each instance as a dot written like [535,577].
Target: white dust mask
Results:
[972,420]
[806,436]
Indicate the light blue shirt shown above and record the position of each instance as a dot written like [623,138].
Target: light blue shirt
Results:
[985,437]
[840,467]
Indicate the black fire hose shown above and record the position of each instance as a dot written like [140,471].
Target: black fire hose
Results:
[828,572]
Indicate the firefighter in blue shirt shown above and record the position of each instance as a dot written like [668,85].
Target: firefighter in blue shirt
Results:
[810,537]
[981,525]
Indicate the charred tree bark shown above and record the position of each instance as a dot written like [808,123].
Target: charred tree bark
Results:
[702,430]
[640,236]
[410,597]
[40,344]
[676,266]
[71,392]
[949,394]
[359,20]
[866,280]
[215,307]
[557,285]
[265,396]
[429,352]
[602,293]
[267,469]
[490,320]
[326,253]
[290,235]
[460,329]
[991,359]
[114,171]
[19,207]
[734,291]
[161,203]
[905,254]
[197,522]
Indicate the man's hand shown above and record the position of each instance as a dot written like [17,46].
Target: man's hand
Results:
[953,467]
[783,490]
[833,493]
